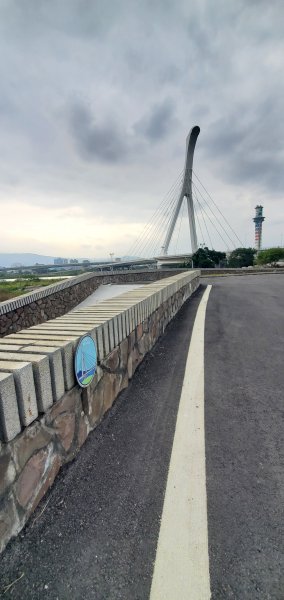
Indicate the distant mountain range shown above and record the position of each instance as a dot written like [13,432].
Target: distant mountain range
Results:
[27,259]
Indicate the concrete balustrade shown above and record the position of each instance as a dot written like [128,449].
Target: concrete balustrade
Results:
[10,419]
[57,299]
[44,416]
[22,372]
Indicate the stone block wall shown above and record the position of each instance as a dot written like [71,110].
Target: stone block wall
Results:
[33,449]
[57,299]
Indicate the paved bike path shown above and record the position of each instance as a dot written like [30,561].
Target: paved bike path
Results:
[244,424]
[97,536]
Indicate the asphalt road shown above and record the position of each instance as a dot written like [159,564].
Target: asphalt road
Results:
[244,418]
[96,539]
[97,536]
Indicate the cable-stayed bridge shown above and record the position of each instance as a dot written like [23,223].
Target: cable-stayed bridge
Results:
[169,225]
[187,218]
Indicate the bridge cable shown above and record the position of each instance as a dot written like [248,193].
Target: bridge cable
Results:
[158,232]
[160,216]
[163,205]
[199,225]
[205,224]
[170,218]
[195,174]
[155,228]
[167,218]
[214,226]
[147,230]
[197,191]
[153,225]
[215,217]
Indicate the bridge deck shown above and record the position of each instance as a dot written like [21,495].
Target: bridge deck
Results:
[95,535]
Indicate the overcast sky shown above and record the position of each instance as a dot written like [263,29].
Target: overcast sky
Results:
[97,98]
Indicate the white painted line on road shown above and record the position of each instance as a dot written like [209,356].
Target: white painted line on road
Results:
[181,569]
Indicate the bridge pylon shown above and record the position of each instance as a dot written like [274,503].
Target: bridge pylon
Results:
[186,192]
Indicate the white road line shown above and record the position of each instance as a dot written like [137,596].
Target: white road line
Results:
[181,569]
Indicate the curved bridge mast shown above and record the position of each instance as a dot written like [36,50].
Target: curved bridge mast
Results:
[186,191]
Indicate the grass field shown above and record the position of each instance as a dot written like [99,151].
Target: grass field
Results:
[11,289]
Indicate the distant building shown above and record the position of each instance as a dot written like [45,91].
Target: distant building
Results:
[60,261]
[73,261]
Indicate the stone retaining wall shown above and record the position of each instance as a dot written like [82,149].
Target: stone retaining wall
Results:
[44,417]
[57,299]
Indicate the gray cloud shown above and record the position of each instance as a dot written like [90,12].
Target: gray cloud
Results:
[82,18]
[97,100]
[113,142]
[105,142]
[248,145]
[158,123]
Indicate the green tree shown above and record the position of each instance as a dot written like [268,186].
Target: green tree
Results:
[241,257]
[205,258]
[270,256]
[217,257]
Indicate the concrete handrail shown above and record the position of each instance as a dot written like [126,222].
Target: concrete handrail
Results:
[43,292]
[45,418]
[36,364]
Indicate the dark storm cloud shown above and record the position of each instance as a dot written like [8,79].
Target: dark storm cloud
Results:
[248,143]
[105,142]
[109,142]
[159,122]
[170,74]
[82,18]
[123,83]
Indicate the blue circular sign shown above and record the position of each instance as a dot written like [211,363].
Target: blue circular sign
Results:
[85,361]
